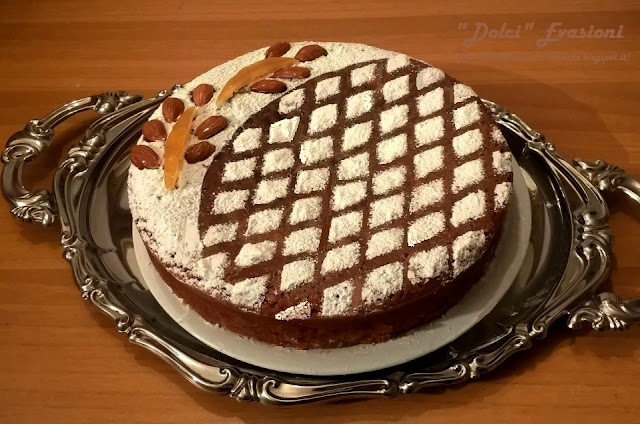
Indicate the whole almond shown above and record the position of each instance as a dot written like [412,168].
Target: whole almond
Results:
[202,94]
[278,49]
[172,108]
[154,130]
[292,72]
[310,52]
[199,152]
[144,157]
[268,86]
[211,126]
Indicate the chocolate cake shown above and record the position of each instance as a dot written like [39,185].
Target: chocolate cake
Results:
[319,195]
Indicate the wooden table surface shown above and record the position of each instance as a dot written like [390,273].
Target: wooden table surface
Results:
[62,361]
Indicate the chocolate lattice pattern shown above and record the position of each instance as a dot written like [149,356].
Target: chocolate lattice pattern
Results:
[354,187]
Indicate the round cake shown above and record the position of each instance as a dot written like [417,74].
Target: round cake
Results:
[319,195]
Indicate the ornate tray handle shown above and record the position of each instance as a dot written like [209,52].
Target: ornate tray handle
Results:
[606,311]
[23,146]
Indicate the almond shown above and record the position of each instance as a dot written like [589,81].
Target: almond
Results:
[211,126]
[144,157]
[278,49]
[202,94]
[310,52]
[268,86]
[154,130]
[292,72]
[172,108]
[199,152]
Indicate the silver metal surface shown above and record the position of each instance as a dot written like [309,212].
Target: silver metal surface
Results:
[25,145]
[570,257]
[606,311]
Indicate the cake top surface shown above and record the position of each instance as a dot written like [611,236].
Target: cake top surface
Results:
[374,176]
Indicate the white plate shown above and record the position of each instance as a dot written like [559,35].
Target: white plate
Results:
[474,306]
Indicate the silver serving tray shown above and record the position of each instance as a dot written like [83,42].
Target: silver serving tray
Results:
[570,245]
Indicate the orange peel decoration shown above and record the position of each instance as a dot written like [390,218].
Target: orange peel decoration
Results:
[175,147]
[251,73]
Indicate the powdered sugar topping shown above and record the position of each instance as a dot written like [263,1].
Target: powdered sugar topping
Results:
[470,207]
[389,179]
[300,311]
[340,258]
[502,195]
[252,254]
[327,88]
[428,76]
[428,264]
[283,130]
[429,130]
[239,170]
[229,201]
[467,142]
[356,136]
[313,151]
[336,300]
[383,282]
[297,273]
[466,115]
[396,89]
[431,102]
[466,249]
[305,209]
[323,118]
[362,75]
[263,221]
[291,102]
[345,225]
